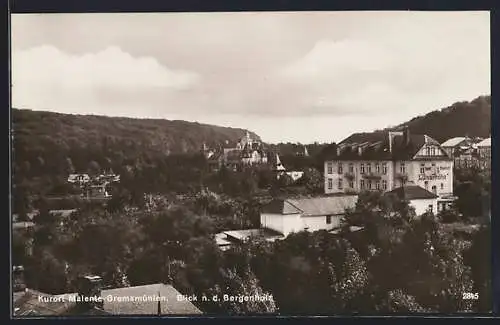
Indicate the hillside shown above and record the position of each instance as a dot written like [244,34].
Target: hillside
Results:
[462,118]
[47,143]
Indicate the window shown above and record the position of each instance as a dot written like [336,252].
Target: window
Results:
[329,168]
[362,184]
[442,186]
[330,183]
[428,151]
[430,208]
[433,151]
[328,220]
[384,168]
[384,184]
[351,184]
[369,167]
[351,168]
[340,168]
[362,168]
[369,184]
[377,185]
[434,189]
[340,184]
[422,168]
[426,184]
[377,168]
[402,168]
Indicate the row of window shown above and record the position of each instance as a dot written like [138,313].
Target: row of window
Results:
[340,168]
[378,185]
[369,184]
[423,168]
[431,151]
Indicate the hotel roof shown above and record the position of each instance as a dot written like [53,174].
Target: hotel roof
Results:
[376,146]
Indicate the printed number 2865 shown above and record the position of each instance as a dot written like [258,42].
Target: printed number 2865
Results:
[470,296]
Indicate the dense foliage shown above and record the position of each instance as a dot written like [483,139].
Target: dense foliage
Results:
[398,262]
[462,118]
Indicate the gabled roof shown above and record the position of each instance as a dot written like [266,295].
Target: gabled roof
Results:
[316,206]
[376,146]
[329,205]
[412,192]
[171,306]
[453,142]
[485,143]
[280,206]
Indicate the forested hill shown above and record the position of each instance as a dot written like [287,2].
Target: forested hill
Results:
[462,118]
[47,139]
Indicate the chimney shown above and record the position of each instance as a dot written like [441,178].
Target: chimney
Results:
[89,291]
[360,151]
[391,136]
[406,135]
[18,278]
[390,141]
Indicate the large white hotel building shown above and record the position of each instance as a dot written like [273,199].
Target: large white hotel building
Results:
[388,160]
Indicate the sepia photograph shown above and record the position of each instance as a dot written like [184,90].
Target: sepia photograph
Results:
[278,163]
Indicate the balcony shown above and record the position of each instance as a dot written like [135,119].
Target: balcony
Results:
[349,175]
[401,176]
[372,175]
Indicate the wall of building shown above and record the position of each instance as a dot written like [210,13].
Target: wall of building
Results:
[438,173]
[422,205]
[355,177]
[315,223]
[284,224]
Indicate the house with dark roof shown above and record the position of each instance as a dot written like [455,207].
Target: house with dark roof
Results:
[92,299]
[451,145]
[246,152]
[287,216]
[464,151]
[385,160]
[419,198]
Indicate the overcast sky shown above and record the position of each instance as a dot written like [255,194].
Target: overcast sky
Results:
[303,76]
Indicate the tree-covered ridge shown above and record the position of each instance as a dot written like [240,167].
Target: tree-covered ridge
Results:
[37,133]
[457,120]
